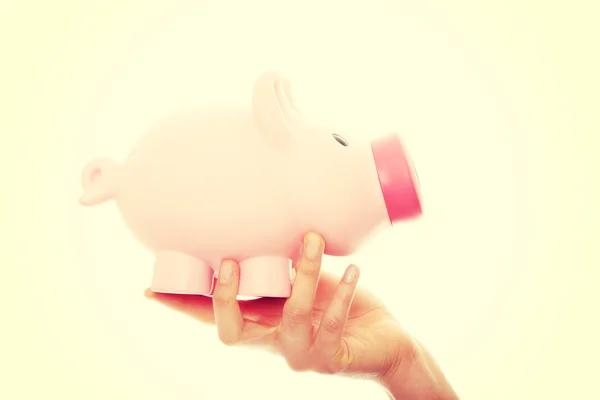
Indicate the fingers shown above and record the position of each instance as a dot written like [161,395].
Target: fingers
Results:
[249,322]
[296,324]
[228,315]
[328,344]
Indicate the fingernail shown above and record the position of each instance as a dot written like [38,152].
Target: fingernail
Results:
[225,272]
[312,248]
[351,274]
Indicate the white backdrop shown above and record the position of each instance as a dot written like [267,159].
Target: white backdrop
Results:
[482,279]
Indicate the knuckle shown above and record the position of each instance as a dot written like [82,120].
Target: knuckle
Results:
[309,269]
[343,298]
[331,367]
[332,323]
[222,298]
[296,365]
[228,338]
[296,313]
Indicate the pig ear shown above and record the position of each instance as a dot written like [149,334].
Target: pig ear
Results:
[99,181]
[273,107]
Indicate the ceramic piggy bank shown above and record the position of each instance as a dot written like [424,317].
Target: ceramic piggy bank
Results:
[241,184]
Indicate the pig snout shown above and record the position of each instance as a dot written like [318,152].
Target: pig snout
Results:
[99,181]
[397,178]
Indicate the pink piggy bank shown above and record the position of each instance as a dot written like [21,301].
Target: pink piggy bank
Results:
[246,185]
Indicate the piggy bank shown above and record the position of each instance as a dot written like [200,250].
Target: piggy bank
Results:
[247,184]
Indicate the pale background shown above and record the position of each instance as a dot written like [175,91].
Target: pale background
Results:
[498,102]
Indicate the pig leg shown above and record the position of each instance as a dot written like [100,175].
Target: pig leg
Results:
[181,273]
[265,277]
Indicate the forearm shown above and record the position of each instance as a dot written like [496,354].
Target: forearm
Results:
[418,379]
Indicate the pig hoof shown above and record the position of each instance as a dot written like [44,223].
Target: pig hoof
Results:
[265,277]
[180,273]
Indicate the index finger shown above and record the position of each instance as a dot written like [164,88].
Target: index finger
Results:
[228,315]
[296,325]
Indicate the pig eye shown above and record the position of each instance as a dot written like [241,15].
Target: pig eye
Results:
[340,140]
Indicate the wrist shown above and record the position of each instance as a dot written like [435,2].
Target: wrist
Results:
[415,375]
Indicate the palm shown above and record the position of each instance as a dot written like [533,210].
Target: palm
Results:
[372,336]
[367,332]
[328,325]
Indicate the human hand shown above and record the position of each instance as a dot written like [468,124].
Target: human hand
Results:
[327,326]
